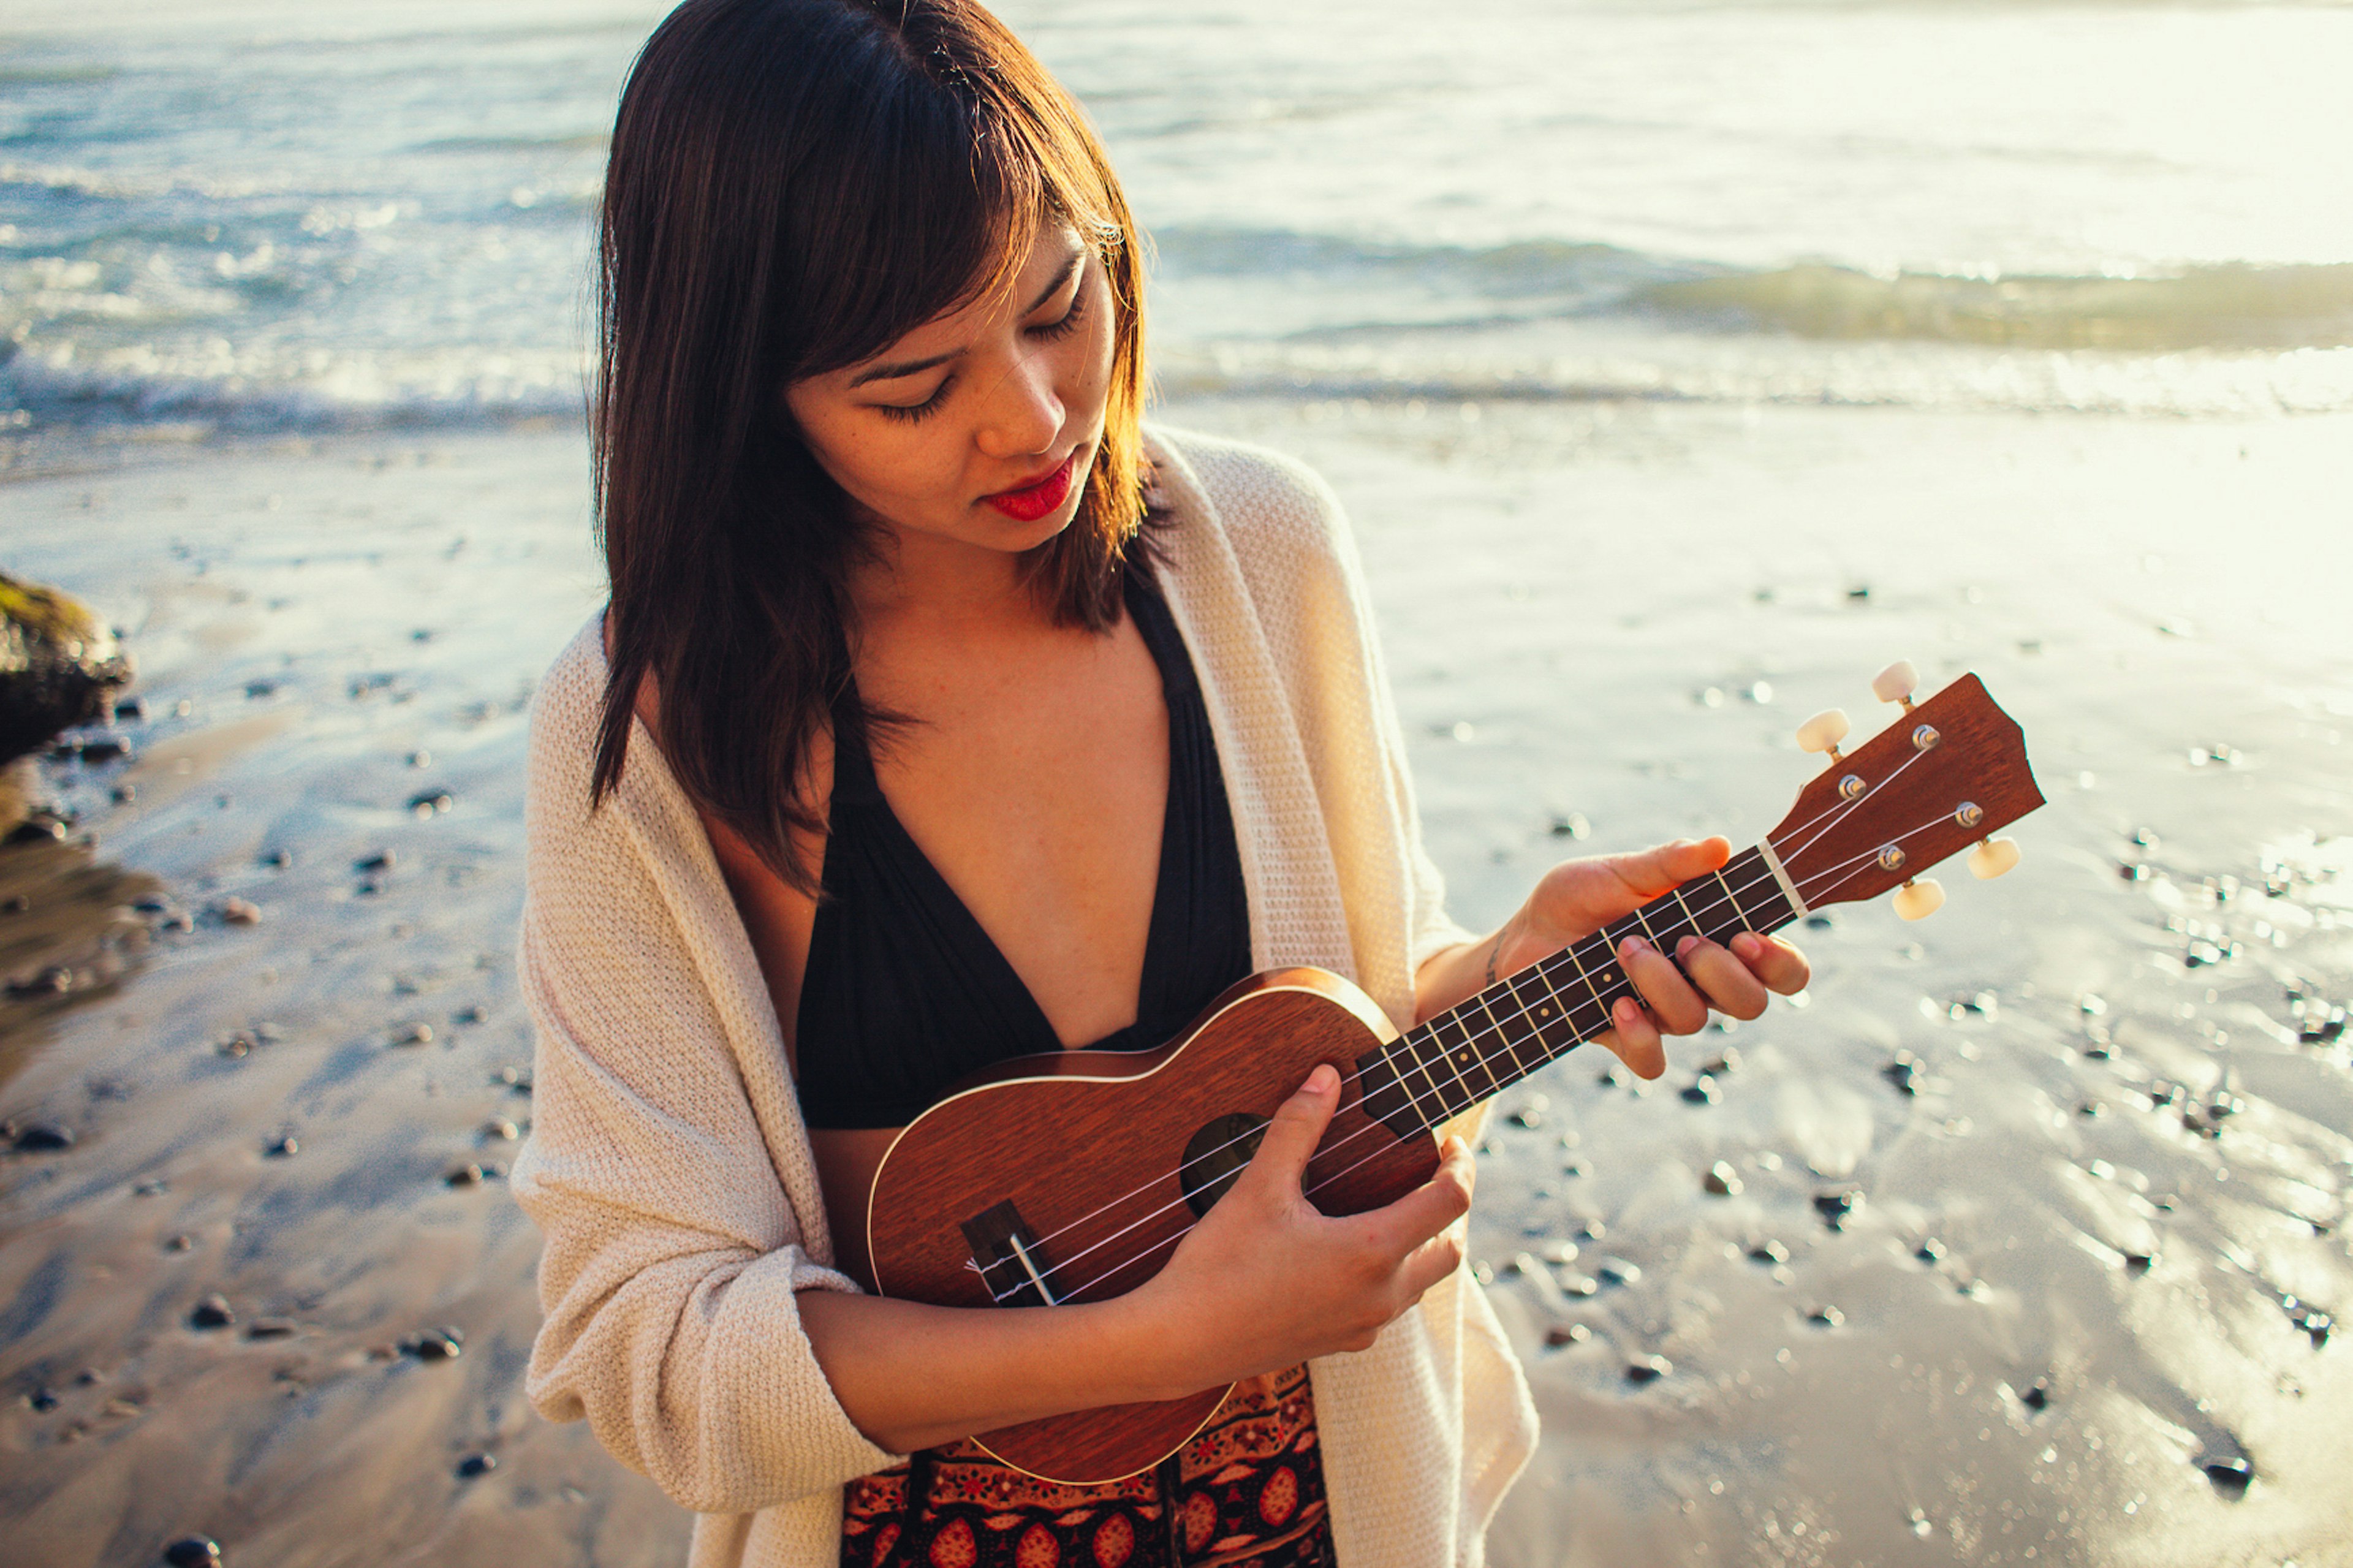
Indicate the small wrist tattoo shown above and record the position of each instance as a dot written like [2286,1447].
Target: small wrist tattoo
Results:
[1493,953]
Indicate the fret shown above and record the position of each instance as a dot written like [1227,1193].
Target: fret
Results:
[1432,1090]
[1650,935]
[1691,920]
[1464,1055]
[1513,1024]
[1739,916]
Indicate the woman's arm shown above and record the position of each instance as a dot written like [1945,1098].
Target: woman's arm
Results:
[1265,1281]
[1578,898]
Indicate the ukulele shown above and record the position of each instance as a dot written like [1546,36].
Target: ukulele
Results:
[1072,1176]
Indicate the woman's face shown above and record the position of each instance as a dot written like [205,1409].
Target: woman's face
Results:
[976,428]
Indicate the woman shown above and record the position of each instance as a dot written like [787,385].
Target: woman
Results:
[939,715]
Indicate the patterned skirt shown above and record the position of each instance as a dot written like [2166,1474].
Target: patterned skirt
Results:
[1246,1492]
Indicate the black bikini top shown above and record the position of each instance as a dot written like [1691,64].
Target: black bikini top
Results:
[905,993]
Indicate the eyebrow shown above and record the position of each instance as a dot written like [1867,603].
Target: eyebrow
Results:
[916,366]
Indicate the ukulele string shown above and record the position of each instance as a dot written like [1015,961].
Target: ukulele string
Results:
[1414,1097]
[1838,875]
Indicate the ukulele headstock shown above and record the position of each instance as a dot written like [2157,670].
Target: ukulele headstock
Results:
[1944,778]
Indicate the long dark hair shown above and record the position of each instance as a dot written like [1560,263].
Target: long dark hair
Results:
[794,186]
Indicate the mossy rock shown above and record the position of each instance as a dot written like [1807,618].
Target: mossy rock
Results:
[60,666]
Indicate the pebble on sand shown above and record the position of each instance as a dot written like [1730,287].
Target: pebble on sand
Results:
[1771,1252]
[212,1313]
[1722,1179]
[1702,1090]
[1647,1369]
[466,1175]
[474,1465]
[238,912]
[435,1344]
[2037,1395]
[40,1137]
[194,1551]
[412,1035]
[271,1328]
[285,1146]
[1561,1334]
[1836,1207]
[2230,1477]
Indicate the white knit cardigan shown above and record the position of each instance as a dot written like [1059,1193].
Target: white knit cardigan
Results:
[668,1165]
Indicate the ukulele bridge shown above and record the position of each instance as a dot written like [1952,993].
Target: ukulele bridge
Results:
[1013,1267]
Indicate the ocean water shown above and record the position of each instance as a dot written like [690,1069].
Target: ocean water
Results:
[251,217]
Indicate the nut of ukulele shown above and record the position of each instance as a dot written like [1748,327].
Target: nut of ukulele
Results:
[1919,898]
[1991,858]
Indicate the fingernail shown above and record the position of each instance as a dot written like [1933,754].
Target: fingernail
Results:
[1630,947]
[1749,944]
[1684,948]
[1322,1080]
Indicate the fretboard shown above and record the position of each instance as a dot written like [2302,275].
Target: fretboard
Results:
[1453,1061]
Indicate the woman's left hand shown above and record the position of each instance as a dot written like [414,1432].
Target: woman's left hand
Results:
[1578,898]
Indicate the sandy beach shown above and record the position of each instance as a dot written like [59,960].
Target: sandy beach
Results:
[2082,1133]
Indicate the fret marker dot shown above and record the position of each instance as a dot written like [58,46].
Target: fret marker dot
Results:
[1544,1012]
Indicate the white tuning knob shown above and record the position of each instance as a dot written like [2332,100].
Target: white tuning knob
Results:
[1916,901]
[1823,731]
[1896,683]
[1992,858]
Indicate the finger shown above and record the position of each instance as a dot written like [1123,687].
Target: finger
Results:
[1635,1038]
[1675,1007]
[1428,1264]
[1723,978]
[1780,967]
[1429,1208]
[1651,872]
[1297,1127]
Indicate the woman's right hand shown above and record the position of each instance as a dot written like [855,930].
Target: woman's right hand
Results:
[1265,1281]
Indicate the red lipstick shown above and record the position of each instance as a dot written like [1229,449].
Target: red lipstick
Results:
[1028,503]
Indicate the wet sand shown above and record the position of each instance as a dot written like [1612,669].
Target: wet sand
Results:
[2110,1089]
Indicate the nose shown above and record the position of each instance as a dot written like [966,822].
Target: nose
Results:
[1023,411]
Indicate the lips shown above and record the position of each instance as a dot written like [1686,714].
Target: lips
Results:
[1031,501]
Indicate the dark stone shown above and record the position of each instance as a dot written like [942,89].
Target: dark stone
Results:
[2038,1396]
[1826,1316]
[1930,1251]
[1768,1252]
[1904,1072]
[1648,1369]
[40,1137]
[2230,1477]
[60,666]
[383,860]
[2133,871]
[1561,1334]
[1617,1271]
[1835,1207]
[194,1551]
[465,1175]
[2138,1263]
[1702,1090]
[41,826]
[42,1399]
[435,1344]
[2092,1107]
[477,1014]
[474,1465]
[1722,1180]
[285,1146]
[103,749]
[212,1313]
[430,800]
[271,1328]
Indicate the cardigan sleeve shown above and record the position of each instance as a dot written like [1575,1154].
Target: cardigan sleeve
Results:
[673,1253]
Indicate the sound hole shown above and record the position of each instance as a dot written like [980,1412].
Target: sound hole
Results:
[1217,1156]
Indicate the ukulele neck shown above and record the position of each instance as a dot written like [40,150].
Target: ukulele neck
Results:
[1455,1059]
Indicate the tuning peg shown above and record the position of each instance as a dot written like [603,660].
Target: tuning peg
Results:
[1896,683]
[1991,858]
[1823,731]
[1919,898]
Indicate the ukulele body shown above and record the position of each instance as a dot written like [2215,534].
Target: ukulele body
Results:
[1066,1177]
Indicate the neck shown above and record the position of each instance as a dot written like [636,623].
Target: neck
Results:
[1453,1061]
